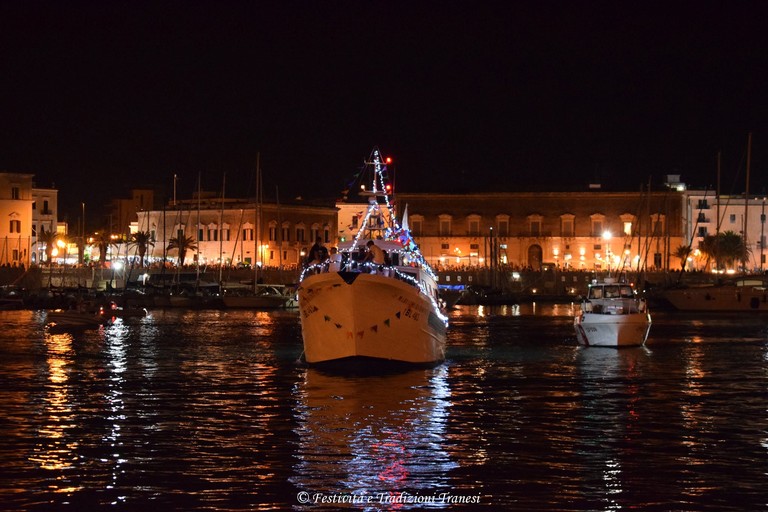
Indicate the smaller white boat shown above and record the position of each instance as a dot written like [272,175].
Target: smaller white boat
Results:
[612,315]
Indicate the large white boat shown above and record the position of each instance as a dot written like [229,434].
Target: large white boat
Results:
[748,293]
[612,315]
[364,310]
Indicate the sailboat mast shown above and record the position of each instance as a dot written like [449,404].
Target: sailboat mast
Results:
[221,229]
[746,189]
[257,238]
[197,236]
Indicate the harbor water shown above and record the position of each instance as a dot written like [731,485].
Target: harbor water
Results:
[211,410]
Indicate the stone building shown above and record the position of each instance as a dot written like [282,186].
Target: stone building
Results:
[231,231]
[45,210]
[15,219]
[592,230]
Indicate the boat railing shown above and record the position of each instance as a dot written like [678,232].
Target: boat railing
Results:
[623,306]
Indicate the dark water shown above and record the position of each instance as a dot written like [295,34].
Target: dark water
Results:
[208,410]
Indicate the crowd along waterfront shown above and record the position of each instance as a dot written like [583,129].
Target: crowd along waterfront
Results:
[210,410]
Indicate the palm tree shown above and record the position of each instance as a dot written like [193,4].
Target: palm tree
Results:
[103,241]
[48,238]
[182,244]
[726,249]
[682,252]
[142,240]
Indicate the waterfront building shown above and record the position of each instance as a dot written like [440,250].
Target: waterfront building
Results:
[15,219]
[239,231]
[591,230]
[705,213]
[124,210]
[45,203]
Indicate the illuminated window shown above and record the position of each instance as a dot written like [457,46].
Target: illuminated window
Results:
[628,228]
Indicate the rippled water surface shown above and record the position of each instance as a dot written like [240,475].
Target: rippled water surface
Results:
[209,410]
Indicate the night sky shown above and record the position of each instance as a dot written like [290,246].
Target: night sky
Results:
[99,97]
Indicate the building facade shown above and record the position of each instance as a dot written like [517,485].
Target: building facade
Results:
[15,219]
[572,230]
[239,232]
[705,213]
[45,205]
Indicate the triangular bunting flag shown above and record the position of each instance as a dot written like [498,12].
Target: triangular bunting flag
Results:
[397,315]
[375,328]
[326,318]
[386,322]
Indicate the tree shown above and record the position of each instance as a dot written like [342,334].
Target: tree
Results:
[727,249]
[142,240]
[48,238]
[182,244]
[103,241]
[682,252]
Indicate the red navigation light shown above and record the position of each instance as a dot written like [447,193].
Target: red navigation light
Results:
[389,187]
[388,160]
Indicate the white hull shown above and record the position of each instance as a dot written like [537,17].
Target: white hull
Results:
[725,298]
[606,330]
[371,317]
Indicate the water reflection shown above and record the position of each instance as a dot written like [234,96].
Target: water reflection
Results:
[372,435]
[55,449]
[610,415]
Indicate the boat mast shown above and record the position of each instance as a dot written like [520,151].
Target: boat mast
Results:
[257,238]
[378,191]
[197,235]
[746,189]
[221,230]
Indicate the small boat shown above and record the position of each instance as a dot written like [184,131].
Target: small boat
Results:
[748,293]
[112,310]
[74,318]
[264,297]
[355,310]
[612,315]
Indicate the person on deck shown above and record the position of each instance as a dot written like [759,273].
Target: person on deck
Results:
[375,254]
